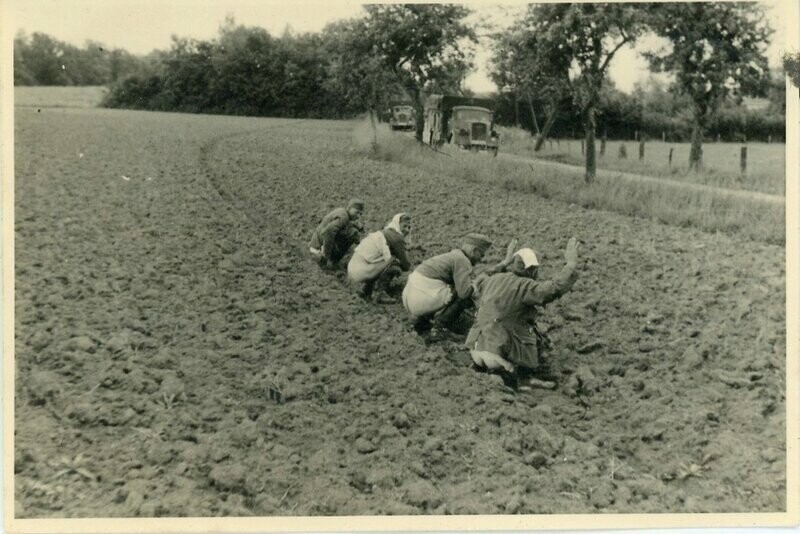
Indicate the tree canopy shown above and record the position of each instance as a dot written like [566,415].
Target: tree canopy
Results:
[791,64]
[427,47]
[716,51]
[573,45]
[40,59]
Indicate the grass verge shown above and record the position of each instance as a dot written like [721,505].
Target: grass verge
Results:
[766,165]
[704,210]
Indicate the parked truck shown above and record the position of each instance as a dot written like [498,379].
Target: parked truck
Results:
[463,121]
[401,116]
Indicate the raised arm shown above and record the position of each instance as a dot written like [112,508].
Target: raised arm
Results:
[548,291]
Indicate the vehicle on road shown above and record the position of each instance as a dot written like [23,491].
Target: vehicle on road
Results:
[401,117]
[463,121]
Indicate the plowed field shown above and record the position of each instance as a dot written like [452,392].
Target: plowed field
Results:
[178,354]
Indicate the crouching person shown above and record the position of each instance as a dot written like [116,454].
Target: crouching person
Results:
[440,288]
[380,258]
[338,231]
[504,337]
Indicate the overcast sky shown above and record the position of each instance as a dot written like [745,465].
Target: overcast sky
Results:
[141,26]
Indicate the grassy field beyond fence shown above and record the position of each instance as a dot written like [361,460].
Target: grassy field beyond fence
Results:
[59,96]
[766,168]
[701,209]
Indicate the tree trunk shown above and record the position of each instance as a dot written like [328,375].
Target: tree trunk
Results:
[516,110]
[533,115]
[696,152]
[551,119]
[588,129]
[419,113]
[374,130]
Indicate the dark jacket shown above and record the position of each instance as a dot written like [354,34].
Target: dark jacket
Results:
[453,268]
[335,234]
[397,246]
[507,308]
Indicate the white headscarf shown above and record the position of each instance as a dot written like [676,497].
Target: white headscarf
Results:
[528,257]
[394,224]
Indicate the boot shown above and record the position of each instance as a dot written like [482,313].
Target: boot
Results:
[367,289]
[423,324]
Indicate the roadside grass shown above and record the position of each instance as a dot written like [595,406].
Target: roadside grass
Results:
[766,162]
[59,96]
[704,210]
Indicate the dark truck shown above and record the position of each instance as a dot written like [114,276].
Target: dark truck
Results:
[400,116]
[460,120]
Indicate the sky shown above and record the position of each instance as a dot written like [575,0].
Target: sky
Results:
[141,26]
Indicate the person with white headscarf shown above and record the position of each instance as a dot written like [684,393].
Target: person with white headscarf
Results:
[505,337]
[380,258]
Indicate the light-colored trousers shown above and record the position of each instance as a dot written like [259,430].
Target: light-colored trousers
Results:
[424,296]
[360,270]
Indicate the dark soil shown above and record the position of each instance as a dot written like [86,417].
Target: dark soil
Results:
[178,354]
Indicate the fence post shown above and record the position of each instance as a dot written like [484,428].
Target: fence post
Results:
[718,137]
[670,156]
[663,137]
[551,144]
[636,135]
[603,143]
[583,149]
[769,139]
[641,150]
[743,160]
[623,152]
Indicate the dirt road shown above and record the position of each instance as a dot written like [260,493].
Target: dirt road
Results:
[162,290]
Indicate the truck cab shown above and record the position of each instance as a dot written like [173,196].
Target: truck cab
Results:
[402,117]
[473,127]
[463,121]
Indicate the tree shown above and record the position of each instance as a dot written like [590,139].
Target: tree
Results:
[422,45]
[43,59]
[522,65]
[583,38]
[717,51]
[791,64]
[357,73]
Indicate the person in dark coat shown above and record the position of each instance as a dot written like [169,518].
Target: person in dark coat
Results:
[505,336]
[338,231]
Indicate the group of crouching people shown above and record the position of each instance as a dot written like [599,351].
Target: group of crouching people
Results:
[503,338]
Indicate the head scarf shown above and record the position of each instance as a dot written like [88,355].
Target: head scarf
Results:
[528,257]
[394,224]
[479,241]
[356,203]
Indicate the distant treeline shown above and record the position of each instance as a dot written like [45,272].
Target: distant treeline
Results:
[654,111]
[246,71]
[42,60]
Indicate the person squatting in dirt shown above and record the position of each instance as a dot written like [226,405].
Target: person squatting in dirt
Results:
[380,258]
[338,231]
[440,288]
[505,337]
